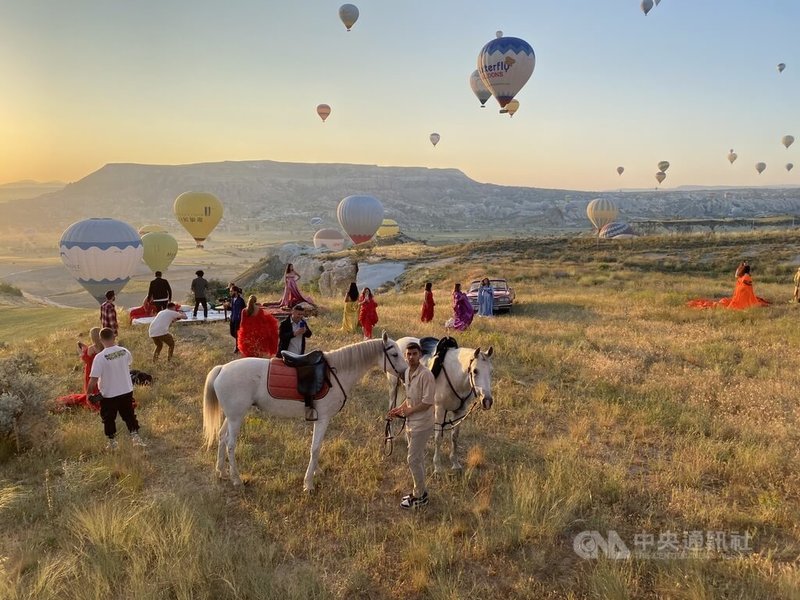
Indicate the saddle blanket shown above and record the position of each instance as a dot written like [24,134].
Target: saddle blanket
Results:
[282,382]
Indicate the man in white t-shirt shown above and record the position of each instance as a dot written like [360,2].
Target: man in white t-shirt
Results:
[111,375]
[159,330]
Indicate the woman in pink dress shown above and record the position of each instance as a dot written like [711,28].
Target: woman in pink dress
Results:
[462,309]
[291,292]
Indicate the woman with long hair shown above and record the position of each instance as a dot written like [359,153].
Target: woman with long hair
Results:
[367,312]
[350,315]
[87,352]
[291,291]
[485,298]
[258,331]
[743,294]
[462,309]
[427,304]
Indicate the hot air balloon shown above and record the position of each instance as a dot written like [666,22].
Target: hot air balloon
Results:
[646,6]
[480,90]
[601,211]
[511,107]
[760,167]
[332,239]
[360,217]
[315,221]
[787,140]
[150,229]
[388,229]
[505,64]
[498,33]
[663,166]
[323,110]
[160,249]
[102,254]
[615,229]
[660,177]
[199,213]
[789,166]
[657,2]
[620,170]
[348,13]
[434,138]
[732,156]
[781,67]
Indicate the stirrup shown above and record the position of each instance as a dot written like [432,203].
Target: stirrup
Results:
[311,413]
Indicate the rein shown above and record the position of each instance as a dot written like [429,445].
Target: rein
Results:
[453,423]
[388,438]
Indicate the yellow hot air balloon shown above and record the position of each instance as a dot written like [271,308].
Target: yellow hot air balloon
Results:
[512,107]
[199,213]
[601,211]
[150,229]
[160,249]
[388,229]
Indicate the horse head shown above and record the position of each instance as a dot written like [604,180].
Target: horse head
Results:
[481,376]
[393,361]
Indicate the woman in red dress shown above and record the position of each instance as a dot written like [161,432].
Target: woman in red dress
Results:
[743,294]
[258,331]
[428,304]
[367,312]
[87,354]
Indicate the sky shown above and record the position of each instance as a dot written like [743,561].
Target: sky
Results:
[91,82]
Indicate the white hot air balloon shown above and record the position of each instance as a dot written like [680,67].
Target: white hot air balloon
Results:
[434,138]
[360,217]
[787,140]
[781,67]
[732,156]
[601,211]
[102,254]
[789,166]
[646,6]
[760,166]
[323,110]
[481,92]
[348,13]
[505,64]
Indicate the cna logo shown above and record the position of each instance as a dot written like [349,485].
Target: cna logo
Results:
[591,544]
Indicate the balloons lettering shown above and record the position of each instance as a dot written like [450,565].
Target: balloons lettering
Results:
[360,217]
[601,211]
[323,110]
[102,254]
[348,13]
[199,213]
[481,92]
[160,249]
[505,64]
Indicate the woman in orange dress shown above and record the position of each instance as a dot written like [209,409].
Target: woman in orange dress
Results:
[258,331]
[367,312]
[428,304]
[743,294]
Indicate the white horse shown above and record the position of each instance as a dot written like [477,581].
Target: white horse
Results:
[233,388]
[466,378]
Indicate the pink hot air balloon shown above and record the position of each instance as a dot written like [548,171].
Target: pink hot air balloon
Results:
[323,110]
[360,217]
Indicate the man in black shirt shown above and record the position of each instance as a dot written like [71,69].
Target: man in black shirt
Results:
[160,292]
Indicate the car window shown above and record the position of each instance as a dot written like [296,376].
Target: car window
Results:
[500,285]
[473,287]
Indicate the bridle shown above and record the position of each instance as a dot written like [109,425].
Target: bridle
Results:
[473,391]
[386,359]
[388,437]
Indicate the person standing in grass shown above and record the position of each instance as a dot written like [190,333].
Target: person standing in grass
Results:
[796,295]
[367,312]
[108,313]
[485,298]
[237,306]
[159,330]
[350,314]
[428,304]
[111,376]
[417,410]
[200,289]
[258,331]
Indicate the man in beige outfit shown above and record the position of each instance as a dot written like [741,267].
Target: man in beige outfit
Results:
[417,409]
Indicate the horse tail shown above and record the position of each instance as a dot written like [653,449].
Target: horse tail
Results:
[212,416]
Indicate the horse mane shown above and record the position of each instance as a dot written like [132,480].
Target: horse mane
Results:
[359,352]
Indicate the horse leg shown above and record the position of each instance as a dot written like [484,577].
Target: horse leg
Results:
[437,442]
[316,443]
[233,433]
[223,443]
[454,447]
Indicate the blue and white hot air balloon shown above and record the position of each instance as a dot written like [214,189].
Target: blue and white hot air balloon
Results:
[505,64]
[615,230]
[102,254]
[481,92]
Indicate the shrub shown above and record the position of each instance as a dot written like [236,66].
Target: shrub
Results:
[9,290]
[24,418]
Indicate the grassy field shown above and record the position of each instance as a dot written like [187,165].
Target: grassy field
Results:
[616,409]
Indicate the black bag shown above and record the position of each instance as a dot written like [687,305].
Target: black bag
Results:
[95,398]
[140,377]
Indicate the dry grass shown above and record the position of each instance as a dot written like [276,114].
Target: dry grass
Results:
[615,408]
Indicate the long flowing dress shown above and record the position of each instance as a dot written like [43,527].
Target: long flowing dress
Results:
[743,297]
[258,334]
[462,311]
[291,292]
[427,307]
[368,316]
[350,316]
[486,301]
[81,399]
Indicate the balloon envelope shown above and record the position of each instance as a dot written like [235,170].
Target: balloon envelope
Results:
[329,238]
[512,107]
[663,166]
[315,221]
[348,13]
[620,170]
[789,166]
[732,156]
[323,110]
[199,213]
[781,67]
[505,64]
[150,229]
[661,176]
[760,167]
[388,229]
[787,140]
[617,228]
[160,249]
[435,137]
[102,254]
[481,92]
[360,217]
[601,211]
[646,6]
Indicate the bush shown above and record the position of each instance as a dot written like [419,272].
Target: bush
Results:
[24,419]
[9,290]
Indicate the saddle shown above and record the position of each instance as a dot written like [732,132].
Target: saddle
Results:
[442,346]
[298,377]
[428,345]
